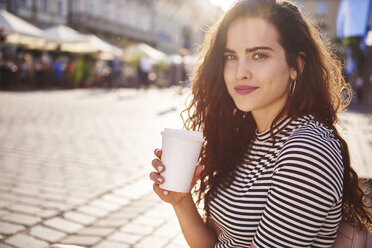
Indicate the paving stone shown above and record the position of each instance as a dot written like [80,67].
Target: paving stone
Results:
[25,192]
[115,199]
[26,209]
[22,219]
[134,228]
[47,234]
[169,230]
[5,246]
[110,244]
[109,206]
[48,213]
[162,210]
[23,241]
[136,190]
[81,240]
[10,229]
[129,238]
[31,201]
[129,212]
[150,221]
[79,217]
[75,201]
[152,242]
[179,240]
[4,203]
[175,245]
[4,212]
[111,222]
[56,205]
[124,215]
[63,225]
[93,211]
[97,231]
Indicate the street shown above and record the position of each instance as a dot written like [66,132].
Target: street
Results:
[74,166]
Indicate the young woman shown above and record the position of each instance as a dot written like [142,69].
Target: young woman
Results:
[274,171]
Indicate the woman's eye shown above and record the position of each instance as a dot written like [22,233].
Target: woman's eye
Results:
[259,56]
[229,57]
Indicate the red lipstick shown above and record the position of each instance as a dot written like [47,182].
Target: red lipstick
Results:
[244,89]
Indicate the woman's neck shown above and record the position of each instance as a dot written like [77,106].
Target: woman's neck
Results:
[264,120]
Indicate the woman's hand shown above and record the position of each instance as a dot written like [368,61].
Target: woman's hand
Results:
[174,198]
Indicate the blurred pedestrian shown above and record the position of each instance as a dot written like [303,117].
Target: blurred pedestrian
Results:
[58,71]
[40,75]
[8,69]
[144,69]
[274,171]
[116,65]
[359,87]
[26,71]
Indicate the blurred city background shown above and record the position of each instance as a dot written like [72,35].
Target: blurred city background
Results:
[86,86]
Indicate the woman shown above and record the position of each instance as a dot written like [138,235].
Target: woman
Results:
[274,172]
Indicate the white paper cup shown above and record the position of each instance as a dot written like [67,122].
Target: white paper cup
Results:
[181,149]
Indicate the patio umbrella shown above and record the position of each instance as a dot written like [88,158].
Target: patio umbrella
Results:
[104,49]
[69,40]
[18,31]
[73,41]
[135,52]
[63,33]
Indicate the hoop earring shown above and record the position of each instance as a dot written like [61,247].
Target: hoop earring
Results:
[293,86]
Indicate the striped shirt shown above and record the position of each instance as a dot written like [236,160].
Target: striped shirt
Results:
[284,195]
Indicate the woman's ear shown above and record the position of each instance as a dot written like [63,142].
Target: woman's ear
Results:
[301,61]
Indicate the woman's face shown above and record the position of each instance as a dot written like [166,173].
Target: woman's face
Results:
[256,73]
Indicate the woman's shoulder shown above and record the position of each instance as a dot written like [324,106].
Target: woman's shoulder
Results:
[313,153]
[312,144]
[310,130]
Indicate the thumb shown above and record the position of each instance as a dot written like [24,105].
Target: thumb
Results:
[198,170]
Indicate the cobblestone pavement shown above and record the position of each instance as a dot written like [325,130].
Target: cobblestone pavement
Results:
[74,167]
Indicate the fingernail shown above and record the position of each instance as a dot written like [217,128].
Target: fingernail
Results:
[159,179]
[160,168]
[156,151]
[165,192]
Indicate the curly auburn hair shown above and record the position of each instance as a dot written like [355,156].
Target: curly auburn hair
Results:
[320,92]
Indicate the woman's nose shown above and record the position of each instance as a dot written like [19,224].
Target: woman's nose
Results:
[243,71]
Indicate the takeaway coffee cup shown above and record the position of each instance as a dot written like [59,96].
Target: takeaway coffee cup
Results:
[181,149]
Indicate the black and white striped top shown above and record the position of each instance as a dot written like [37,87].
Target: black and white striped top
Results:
[286,195]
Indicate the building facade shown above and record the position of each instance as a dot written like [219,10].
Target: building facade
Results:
[323,13]
[182,23]
[166,24]
[115,20]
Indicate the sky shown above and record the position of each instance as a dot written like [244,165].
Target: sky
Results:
[224,4]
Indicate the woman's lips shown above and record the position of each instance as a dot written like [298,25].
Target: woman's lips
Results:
[244,89]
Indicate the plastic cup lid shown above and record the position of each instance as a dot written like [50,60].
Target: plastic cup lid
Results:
[194,135]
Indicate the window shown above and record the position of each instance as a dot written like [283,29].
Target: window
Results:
[91,7]
[76,5]
[44,5]
[321,8]
[120,13]
[23,3]
[59,7]
[108,10]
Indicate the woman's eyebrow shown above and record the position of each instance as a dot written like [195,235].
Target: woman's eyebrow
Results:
[250,50]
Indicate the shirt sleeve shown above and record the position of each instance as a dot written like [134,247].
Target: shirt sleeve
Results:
[306,187]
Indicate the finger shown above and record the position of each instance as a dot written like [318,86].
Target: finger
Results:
[158,165]
[198,170]
[160,192]
[156,178]
[158,153]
